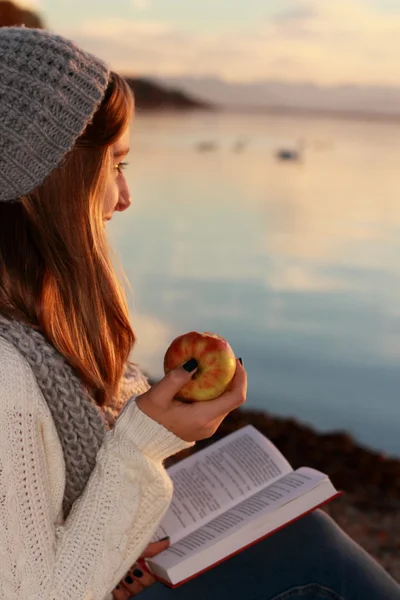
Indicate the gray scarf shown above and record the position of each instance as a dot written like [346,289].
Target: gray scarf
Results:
[80,424]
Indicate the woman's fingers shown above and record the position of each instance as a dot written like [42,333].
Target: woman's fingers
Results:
[121,593]
[135,581]
[142,575]
[138,577]
[155,548]
[131,585]
[165,390]
[195,421]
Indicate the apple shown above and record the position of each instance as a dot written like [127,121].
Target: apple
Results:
[216,364]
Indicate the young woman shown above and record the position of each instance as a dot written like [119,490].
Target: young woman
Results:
[82,437]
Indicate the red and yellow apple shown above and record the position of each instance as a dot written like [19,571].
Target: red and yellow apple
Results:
[216,364]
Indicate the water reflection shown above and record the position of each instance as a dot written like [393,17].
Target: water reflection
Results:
[296,264]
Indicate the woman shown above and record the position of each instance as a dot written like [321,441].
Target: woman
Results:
[82,437]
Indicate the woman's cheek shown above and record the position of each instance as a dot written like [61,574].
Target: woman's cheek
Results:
[111,198]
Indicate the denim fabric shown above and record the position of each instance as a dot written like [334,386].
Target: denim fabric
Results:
[311,559]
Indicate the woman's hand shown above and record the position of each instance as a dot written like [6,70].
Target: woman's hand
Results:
[138,577]
[191,421]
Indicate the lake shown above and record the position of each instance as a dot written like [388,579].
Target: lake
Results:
[296,263]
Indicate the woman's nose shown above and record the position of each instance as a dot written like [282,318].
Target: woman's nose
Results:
[124,200]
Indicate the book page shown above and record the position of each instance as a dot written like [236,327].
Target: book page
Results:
[244,517]
[218,477]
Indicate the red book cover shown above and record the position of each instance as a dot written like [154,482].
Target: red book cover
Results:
[170,585]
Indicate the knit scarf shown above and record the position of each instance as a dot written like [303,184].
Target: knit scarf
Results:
[81,424]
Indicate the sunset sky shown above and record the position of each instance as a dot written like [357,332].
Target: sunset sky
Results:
[322,41]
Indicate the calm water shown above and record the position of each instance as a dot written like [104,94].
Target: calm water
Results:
[296,264]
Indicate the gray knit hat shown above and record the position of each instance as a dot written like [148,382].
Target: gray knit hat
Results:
[49,91]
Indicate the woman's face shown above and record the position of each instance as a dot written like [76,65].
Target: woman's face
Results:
[117,194]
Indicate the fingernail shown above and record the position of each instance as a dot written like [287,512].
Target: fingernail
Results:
[137,573]
[164,538]
[129,579]
[190,365]
[117,587]
[241,362]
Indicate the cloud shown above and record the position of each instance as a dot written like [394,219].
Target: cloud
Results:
[299,12]
[141,4]
[122,30]
[327,42]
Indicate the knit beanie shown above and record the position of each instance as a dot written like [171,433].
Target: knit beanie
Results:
[49,91]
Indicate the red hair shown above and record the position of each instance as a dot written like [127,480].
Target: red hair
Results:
[56,272]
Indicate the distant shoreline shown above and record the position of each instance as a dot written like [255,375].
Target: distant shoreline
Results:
[275,111]
[308,112]
[153,97]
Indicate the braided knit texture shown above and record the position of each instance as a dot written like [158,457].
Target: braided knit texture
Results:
[44,556]
[49,91]
[78,421]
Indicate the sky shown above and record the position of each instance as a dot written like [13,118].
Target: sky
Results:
[326,42]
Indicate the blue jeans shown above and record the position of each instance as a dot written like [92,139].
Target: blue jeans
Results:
[311,559]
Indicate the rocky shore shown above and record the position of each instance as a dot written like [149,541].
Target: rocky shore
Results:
[369,509]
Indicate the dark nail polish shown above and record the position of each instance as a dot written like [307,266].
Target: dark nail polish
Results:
[241,362]
[129,579]
[117,587]
[137,573]
[190,365]
[164,538]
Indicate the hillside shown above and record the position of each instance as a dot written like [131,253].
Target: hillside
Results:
[153,96]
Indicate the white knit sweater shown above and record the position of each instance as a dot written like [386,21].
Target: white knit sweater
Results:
[43,557]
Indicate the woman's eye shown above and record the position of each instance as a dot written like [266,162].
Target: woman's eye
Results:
[121,166]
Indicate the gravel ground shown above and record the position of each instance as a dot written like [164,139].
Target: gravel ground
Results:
[376,531]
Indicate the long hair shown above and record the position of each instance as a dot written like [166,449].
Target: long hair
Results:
[56,272]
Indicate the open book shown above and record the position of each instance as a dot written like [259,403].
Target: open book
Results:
[228,496]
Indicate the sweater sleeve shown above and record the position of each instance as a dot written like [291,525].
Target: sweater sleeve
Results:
[43,557]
